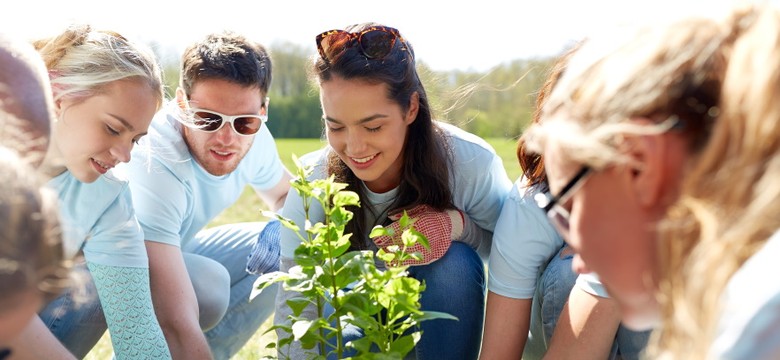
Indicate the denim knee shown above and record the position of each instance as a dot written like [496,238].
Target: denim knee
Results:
[76,317]
[455,284]
[555,286]
[631,344]
[211,282]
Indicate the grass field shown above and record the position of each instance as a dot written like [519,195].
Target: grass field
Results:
[248,208]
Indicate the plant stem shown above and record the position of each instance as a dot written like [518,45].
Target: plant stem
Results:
[335,292]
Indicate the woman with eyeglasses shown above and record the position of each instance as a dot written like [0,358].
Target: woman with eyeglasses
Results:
[384,143]
[106,90]
[532,285]
[661,147]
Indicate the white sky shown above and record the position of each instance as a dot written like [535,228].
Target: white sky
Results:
[456,34]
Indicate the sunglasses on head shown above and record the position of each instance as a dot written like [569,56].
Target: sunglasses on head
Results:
[375,42]
[212,121]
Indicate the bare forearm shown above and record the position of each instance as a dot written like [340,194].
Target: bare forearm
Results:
[175,303]
[187,343]
[37,342]
[506,327]
[585,328]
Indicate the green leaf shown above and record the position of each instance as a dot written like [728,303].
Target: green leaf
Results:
[405,221]
[300,327]
[346,198]
[267,280]
[421,239]
[298,304]
[380,230]
[381,254]
[404,344]
[433,315]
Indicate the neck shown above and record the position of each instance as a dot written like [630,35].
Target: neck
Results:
[53,163]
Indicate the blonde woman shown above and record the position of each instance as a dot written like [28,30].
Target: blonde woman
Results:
[106,90]
[662,154]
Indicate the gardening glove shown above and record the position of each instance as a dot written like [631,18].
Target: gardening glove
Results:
[264,256]
[439,227]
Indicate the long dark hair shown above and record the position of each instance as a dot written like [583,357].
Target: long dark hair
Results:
[426,160]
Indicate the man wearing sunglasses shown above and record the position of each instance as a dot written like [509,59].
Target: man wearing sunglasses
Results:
[202,150]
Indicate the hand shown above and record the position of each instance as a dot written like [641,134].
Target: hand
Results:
[264,257]
[439,227]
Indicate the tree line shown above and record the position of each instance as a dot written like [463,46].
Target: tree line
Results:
[495,103]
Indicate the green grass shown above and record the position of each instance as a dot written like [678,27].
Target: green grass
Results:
[248,208]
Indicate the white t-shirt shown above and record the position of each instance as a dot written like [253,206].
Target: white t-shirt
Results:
[749,326]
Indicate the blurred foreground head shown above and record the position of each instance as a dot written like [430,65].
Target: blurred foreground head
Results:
[25,94]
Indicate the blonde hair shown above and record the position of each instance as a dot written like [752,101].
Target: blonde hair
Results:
[652,73]
[731,195]
[81,61]
[713,76]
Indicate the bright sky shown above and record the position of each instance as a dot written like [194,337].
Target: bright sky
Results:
[457,34]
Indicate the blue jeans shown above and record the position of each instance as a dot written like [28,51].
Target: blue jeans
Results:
[553,287]
[455,284]
[229,245]
[216,262]
[75,317]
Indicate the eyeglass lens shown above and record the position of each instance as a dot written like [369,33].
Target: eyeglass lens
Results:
[246,125]
[374,43]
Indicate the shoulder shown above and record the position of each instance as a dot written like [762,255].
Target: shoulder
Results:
[520,211]
[103,190]
[164,145]
[524,195]
[318,162]
[162,151]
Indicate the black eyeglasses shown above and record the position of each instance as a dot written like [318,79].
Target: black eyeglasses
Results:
[376,42]
[553,205]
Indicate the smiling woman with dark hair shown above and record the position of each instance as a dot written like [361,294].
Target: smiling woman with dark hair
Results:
[384,143]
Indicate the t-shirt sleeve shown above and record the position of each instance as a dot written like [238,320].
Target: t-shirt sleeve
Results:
[126,299]
[117,239]
[481,183]
[264,154]
[523,241]
[160,200]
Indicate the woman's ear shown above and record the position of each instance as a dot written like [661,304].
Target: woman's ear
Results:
[414,107]
[648,169]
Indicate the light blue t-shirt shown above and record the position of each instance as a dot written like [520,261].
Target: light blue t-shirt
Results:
[478,182]
[174,196]
[524,240]
[98,217]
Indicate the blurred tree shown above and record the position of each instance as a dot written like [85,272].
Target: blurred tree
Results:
[498,103]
